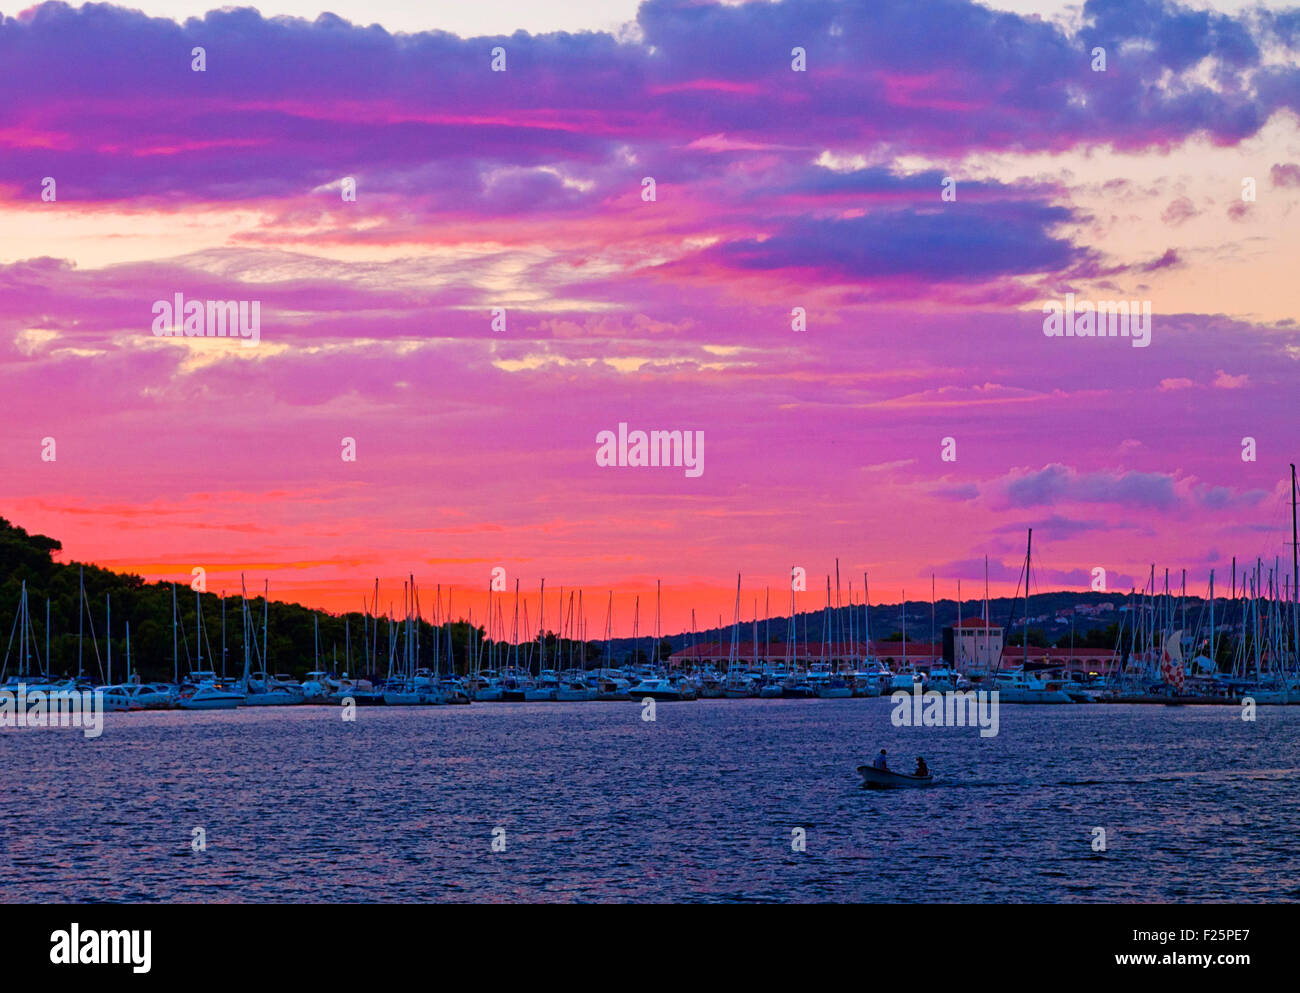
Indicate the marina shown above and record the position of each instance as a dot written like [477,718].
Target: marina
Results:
[1242,650]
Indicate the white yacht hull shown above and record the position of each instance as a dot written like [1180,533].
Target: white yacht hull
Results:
[213,702]
[412,698]
[272,699]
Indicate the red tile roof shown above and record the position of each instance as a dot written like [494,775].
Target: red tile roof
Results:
[978,622]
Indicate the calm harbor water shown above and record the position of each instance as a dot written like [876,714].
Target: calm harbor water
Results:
[598,805]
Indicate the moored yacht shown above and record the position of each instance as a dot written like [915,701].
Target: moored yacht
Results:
[906,682]
[413,692]
[864,683]
[120,698]
[488,687]
[685,686]
[362,692]
[942,679]
[454,691]
[834,687]
[1016,687]
[573,689]
[137,696]
[317,686]
[656,688]
[546,688]
[797,687]
[611,685]
[711,687]
[205,691]
[741,685]
[514,686]
[272,691]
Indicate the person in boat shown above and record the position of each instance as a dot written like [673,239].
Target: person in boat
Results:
[880,762]
[922,770]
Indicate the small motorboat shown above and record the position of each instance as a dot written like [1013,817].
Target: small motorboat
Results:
[887,779]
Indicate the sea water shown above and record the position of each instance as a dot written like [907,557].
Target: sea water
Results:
[714,800]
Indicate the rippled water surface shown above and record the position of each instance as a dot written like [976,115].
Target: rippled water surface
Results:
[598,805]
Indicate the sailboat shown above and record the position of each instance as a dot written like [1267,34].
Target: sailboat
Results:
[547,685]
[772,688]
[610,683]
[118,697]
[738,683]
[204,690]
[829,683]
[413,686]
[490,686]
[1017,686]
[261,689]
[27,646]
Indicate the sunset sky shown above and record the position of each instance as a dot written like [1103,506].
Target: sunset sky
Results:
[775,190]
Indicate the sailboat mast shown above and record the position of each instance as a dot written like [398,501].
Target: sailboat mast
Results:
[904,608]
[1182,600]
[1029,544]
[22,632]
[827,624]
[541,630]
[244,625]
[81,598]
[866,616]
[1243,620]
[266,625]
[1213,654]
[176,658]
[839,622]
[658,622]
[609,631]
[932,620]
[792,633]
[514,630]
[767,623]
[988,648]
[374,628]
[1295,570]
[853,629]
